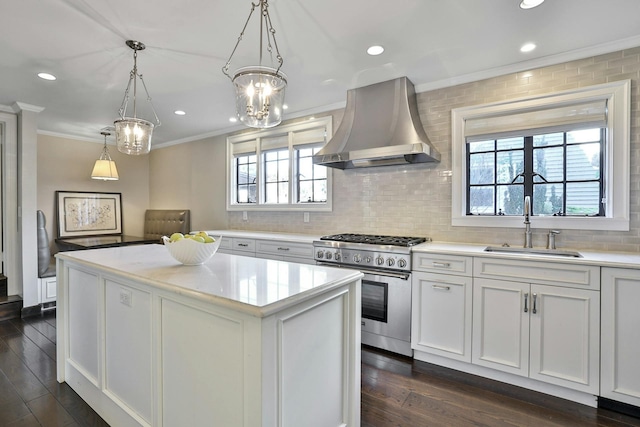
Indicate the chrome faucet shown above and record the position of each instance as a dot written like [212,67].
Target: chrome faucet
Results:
[527,223]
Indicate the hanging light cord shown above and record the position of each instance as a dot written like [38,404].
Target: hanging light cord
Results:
[125,101]
[271,35]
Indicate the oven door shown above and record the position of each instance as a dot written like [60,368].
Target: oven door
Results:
[386,306]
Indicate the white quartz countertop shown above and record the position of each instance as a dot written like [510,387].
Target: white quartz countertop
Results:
[265,235]
[256,286]
[602,259]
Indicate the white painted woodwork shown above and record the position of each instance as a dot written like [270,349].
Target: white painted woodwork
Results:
[47,289]
[276,248]
[439,263]
[558,343]
[83,323]
[565,337]
[542,272]
[620,374]
[441,314]
[500,326]
[281,248]
[235,341]
[128,348]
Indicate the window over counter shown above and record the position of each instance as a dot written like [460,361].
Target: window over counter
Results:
[273,169]
[568,151]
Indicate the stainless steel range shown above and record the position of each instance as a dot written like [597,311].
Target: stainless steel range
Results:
[386,285]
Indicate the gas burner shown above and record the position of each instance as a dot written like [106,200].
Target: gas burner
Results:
[375,239]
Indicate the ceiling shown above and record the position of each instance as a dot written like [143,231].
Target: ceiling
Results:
[436,43]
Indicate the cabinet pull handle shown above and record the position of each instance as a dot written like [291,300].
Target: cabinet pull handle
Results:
[243,244]
[526,299]
[441,287]
[535,298]
[441,264]
[283,249]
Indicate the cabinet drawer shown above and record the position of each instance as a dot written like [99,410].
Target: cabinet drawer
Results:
[226,243]
[244,245]
[449,264]
[284,249]
[543,272]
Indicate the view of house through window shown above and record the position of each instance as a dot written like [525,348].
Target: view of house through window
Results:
[560,171]
[312,179]
[245,167]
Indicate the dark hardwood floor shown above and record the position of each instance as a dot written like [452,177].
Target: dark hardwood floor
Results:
[29,392]
[399,391]
[396,391]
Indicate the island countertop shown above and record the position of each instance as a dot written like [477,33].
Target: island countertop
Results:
[258,287]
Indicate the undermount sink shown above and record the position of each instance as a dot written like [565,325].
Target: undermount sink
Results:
[533,251]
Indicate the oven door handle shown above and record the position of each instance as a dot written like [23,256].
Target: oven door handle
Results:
[398,275]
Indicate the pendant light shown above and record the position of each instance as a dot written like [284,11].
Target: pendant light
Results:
[133,135]
[259,89]
[105,168]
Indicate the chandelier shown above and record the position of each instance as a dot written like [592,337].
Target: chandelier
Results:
[105,168]
[133,135]
[259,89]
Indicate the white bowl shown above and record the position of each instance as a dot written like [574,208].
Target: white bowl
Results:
[190,252]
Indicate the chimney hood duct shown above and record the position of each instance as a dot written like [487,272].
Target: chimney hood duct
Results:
[380,127]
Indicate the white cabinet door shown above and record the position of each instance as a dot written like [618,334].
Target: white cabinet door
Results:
[565,343]
[441,315]
[47,289]
[501,325]
[620,374]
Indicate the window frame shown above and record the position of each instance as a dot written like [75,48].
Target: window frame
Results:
[616,173]
[288,131]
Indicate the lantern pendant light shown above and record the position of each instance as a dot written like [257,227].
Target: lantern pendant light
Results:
[259,89]
[105,168]
[133,135]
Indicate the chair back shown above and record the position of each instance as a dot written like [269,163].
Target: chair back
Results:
[46,267]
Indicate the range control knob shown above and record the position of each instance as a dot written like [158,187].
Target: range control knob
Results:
[367,260]
[337,256]
[320,254]
[357,258]
[329,256]
[379,260]
[402,263]
[390,262]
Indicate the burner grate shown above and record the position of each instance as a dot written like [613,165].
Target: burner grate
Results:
[375,239]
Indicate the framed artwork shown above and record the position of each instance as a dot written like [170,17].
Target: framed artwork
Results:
[88,214]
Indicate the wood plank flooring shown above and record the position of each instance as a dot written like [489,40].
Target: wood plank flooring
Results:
[396,391]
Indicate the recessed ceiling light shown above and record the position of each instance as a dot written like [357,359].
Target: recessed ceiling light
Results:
[375,50]
[233,119]
[179,113]
[530,4]
[528,47]
[285,107]
[46,76]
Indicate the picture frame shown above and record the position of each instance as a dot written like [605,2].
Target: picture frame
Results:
[84,213]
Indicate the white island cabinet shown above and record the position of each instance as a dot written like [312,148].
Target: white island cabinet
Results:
[237,341]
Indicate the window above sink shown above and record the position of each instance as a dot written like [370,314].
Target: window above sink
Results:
[568,151]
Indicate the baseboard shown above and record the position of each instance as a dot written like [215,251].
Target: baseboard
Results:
[4,289]
[623,408]
[10,307]
[34,310]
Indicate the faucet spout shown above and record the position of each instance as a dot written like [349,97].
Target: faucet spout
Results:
[527,222]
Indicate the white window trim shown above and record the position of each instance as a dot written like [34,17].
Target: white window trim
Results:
[617,177]
[327,206]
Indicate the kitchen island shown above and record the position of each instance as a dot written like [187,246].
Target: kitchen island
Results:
[237,341]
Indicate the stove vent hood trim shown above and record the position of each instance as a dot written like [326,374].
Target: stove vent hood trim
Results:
[380,127]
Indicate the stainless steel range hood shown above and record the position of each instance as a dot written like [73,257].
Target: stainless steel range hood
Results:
[380,127]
